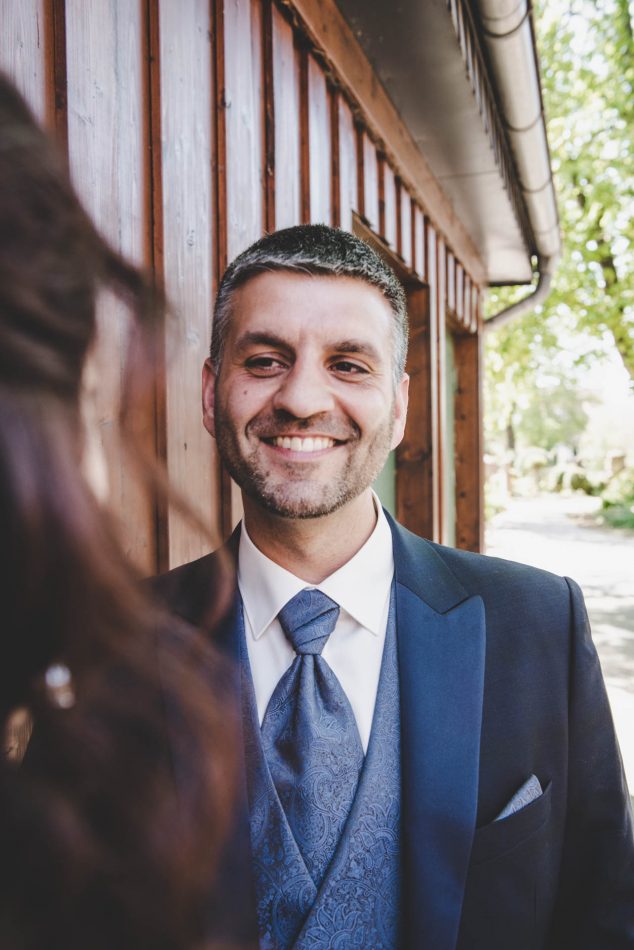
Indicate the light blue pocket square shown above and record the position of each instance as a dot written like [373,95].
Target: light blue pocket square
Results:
[530,790]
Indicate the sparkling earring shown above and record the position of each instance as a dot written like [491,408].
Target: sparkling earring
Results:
[58,682]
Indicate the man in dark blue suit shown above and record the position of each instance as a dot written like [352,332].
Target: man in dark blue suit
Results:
[429,757]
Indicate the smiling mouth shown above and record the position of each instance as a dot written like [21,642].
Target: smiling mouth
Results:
[297,444]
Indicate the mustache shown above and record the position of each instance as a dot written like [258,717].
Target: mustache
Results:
[281,423]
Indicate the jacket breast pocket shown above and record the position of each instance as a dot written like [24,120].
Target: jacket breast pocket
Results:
[506,901]
[500,837]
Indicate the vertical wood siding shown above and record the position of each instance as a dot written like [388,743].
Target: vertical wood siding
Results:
[108,139]
[371,183]
[348,165]
[319,146]
[405,226]
[192,128]
[389,228]
[418,243]
[244,120]
[184,253]
[26,42]
[286,123]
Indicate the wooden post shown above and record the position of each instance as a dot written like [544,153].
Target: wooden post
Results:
[414,456]
[468,422]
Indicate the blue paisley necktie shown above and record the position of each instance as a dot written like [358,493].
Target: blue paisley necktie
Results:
[310,736]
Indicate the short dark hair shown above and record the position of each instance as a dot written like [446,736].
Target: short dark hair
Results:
[313,249]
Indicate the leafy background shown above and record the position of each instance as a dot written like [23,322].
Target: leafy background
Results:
[559,382]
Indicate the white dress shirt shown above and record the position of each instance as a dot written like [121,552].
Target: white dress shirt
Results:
[355,647]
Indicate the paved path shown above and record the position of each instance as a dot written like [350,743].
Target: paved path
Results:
[556,532]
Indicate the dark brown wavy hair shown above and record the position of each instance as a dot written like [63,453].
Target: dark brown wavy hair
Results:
[111,827]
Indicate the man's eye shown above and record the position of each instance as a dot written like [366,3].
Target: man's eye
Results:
[264,365]
[347,368]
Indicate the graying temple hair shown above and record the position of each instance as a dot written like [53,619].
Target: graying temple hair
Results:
[313,249]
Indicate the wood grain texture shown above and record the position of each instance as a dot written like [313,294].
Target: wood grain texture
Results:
[434,376]
[156,253]
[468,435]
[219,155]
[370,183]
[460,293]
[26,50]
[348,165]
[476,309]
[405,225]
[467,301]
[418,242]
[319,145]
[244,121]
[108,138]
[414,456]
[57,25]
[389,223]
[443,457]
[304,134]
[451,282]
[269,115]
[287,123]
[187,210]
[335,186]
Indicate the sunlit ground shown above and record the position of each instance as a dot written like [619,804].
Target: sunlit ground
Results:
[558,533]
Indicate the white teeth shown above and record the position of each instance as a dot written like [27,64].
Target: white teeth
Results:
[296,444]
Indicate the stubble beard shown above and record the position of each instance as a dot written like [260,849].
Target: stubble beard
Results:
[297,495]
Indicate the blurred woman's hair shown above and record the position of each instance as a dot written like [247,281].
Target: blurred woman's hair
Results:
[102,844]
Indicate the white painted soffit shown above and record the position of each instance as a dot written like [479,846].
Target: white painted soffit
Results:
[415,49]
[510,43]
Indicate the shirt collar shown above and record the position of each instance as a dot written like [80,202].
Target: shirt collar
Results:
[360,586]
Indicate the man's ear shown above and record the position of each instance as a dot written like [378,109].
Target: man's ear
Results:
[401,398]
[209,397]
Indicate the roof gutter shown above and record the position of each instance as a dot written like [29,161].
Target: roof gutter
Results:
[507,30]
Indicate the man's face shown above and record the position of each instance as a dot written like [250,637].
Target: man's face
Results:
[304,408]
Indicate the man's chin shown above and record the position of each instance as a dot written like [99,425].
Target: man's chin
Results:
[300,505]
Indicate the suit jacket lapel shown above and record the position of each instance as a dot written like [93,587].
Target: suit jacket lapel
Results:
[441,646]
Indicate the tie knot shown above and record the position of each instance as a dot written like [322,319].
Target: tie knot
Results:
[308,619]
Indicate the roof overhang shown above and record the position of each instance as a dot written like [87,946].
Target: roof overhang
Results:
[431,58]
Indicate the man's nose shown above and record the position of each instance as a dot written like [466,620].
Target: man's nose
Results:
[304,391]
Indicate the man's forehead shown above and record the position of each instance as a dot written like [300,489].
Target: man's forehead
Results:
[281,282]
[290,296]
[322,307]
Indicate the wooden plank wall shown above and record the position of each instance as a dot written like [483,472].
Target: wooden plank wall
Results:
[191,130]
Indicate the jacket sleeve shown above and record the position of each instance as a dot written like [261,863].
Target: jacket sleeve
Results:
[595,904]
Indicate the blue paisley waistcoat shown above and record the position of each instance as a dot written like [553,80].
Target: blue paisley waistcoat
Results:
[357,904]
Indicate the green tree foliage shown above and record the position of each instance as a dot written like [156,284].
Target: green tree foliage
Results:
[587,54]
[586,49]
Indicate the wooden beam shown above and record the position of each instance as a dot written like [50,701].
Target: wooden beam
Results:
[269,117]
[60,95]
[304,134]
[414,456]
[154,179]
[335,158]
[219,161]
[468,435]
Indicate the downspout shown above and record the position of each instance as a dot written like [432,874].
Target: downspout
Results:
[546,269]
[508,35]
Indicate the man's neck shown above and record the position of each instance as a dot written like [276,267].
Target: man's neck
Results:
[312,548]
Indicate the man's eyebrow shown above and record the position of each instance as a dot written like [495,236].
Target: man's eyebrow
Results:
[359,347]
[259,338]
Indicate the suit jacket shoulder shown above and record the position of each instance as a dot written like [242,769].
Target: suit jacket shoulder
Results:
[505,587]
[200,591]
